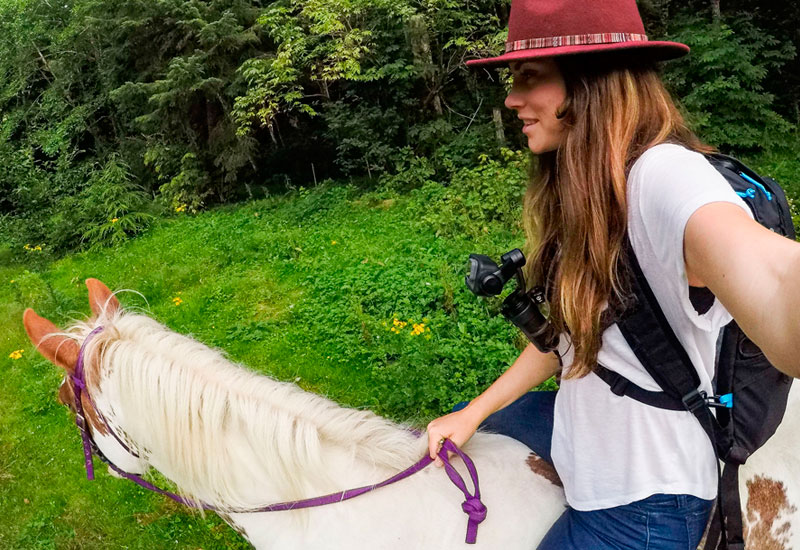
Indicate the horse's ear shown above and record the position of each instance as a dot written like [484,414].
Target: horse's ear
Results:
[101,298]
[58,349]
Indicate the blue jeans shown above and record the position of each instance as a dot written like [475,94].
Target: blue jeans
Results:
[659,522]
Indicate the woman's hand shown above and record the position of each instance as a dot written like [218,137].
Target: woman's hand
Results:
[458,427]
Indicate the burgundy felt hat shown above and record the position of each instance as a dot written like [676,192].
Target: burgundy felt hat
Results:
[547,28]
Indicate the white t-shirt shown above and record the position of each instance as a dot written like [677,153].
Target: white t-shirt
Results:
[611,450]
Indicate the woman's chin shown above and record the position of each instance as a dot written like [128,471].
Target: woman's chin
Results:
[537,147]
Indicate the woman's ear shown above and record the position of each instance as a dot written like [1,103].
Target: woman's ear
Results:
[58,349]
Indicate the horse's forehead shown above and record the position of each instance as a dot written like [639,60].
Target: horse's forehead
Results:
[769,515]
[541,467]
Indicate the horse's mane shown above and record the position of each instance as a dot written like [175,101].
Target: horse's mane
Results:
[204,422]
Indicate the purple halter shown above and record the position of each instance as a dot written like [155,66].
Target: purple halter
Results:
[472,506]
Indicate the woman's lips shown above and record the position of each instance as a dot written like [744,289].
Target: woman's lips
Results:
[528,125]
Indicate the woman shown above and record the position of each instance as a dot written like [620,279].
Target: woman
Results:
[614,158]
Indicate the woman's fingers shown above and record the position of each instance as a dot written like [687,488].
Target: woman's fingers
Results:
[456,426]
[435,440]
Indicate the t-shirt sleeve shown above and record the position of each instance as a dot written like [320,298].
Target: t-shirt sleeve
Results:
[667,184]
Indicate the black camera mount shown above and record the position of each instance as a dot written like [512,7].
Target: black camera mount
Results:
[486,278]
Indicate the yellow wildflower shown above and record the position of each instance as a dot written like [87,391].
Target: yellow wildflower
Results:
[114,220]
[181,208]
[16,354]
[333,242]
[419,328]
[13,281]
[177,301]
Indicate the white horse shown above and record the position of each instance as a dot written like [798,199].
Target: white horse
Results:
[228,437]
[234,439]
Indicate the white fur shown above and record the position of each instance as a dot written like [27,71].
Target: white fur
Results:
[229,437]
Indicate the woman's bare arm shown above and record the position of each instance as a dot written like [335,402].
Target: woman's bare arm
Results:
[754,272]
[531,368]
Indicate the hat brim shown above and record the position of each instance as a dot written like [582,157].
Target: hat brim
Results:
[656,51]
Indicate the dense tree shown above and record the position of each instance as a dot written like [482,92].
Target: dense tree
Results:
[193,103]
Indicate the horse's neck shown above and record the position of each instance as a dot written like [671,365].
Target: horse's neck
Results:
[295,448]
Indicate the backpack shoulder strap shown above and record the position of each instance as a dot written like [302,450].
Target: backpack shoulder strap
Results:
[647,331]
[655,344]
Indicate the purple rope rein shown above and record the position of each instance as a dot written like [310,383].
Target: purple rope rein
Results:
[472,506]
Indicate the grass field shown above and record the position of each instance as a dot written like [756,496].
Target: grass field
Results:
[305,288]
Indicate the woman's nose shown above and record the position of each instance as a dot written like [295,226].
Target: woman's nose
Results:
[513,100]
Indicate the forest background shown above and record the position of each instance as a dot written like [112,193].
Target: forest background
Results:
[112,113]
[299,184]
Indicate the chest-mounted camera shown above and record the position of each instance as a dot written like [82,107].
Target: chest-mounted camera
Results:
[486,278]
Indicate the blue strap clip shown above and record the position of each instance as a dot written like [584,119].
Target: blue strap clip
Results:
[721,401]
[751,193]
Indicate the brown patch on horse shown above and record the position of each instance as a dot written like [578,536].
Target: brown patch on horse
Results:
[766,502]
[539,466]
[91,365]
[63,352]
[66,396]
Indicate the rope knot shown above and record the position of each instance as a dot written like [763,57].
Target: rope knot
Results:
[475,509]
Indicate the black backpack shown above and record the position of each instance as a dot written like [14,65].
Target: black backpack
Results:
[751,394]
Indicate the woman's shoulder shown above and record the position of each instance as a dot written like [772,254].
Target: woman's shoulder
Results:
[673,154]
[672,165]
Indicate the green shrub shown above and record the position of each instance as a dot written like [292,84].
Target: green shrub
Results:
[189,188]
[109,210]
[721,83]
[477,199]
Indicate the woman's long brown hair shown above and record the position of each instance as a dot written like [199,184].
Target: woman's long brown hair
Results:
[575,209]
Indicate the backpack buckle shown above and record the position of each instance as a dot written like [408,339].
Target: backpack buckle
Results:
[721,401]
[694,400]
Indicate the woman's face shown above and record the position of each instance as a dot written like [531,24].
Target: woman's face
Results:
[537,94]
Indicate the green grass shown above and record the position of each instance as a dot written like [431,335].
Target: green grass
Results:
[305,288]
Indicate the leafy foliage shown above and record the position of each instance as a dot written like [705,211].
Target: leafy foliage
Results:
[722,83]
[213,102]
[111,209]
[476,199]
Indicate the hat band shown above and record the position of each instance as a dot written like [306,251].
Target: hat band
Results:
[574,40]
